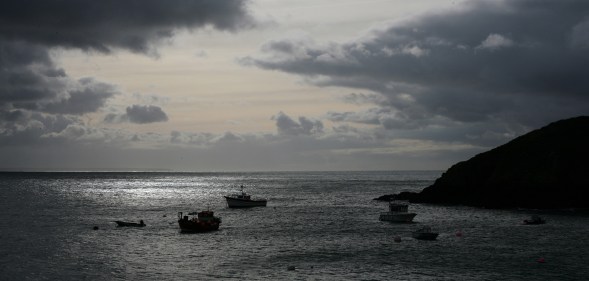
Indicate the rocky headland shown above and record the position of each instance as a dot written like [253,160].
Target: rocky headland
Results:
[546,168]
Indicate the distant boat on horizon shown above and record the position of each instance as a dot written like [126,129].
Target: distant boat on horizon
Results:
[535,220]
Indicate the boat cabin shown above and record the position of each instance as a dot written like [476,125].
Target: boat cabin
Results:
[202,216]
[241,195]
[398,208]
[205,216]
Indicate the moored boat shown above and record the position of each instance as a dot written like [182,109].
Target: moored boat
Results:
[244,200]
[398,212]
[535,220]
[133,224]
[424,233]
[198,221]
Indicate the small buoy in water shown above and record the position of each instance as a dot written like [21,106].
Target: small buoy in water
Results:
[291,267]
[165,216]
[541,260]
[459,233]
[397,239]
[95,228]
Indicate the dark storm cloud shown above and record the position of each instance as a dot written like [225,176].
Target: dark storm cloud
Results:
[139,114]
[287,126]
[90,98]
[34,89]
[101,25]
[146,114]
[29,80]
[519,61]
[20,127]
[28,76]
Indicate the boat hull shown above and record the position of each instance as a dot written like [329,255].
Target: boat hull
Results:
[244,203]
[195,227]
[129,224]
[398,217]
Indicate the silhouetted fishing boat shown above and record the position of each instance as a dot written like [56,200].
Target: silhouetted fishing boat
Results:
[199,222]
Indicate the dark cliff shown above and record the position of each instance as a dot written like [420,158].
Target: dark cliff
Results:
[546,168]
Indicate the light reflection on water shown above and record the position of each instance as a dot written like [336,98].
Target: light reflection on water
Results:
[325,224]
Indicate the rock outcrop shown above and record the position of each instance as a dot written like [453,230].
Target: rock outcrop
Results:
[546,168]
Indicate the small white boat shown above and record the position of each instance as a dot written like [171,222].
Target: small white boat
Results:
[398,212]
[424,233]
[134,224]
[244,200]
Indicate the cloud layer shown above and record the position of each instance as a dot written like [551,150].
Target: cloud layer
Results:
[432,90]
[39,100]
[497,65]
[101,25]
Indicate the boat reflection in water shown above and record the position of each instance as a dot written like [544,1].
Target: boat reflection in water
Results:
[198,221]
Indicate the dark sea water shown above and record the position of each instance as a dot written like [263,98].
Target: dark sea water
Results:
[325,224]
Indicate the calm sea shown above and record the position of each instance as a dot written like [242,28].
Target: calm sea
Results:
[325,224]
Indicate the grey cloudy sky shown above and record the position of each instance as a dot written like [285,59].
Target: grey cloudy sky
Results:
[282,85]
